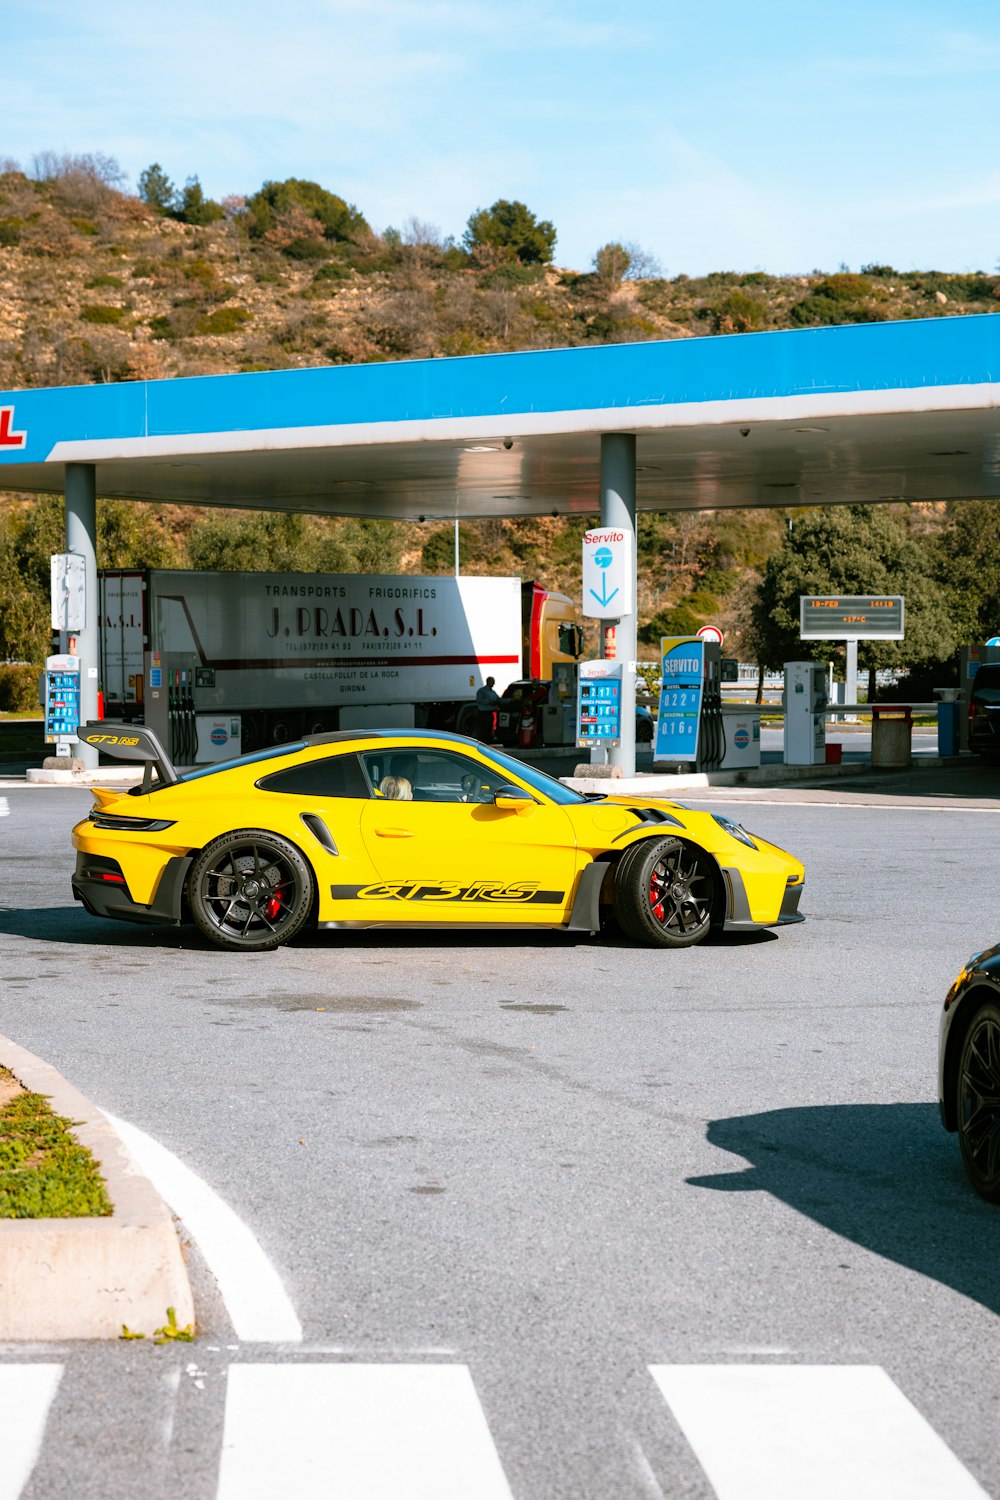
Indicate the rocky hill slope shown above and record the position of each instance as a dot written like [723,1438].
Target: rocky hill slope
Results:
[98,285]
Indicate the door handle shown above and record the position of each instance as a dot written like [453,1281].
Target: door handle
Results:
[393,833]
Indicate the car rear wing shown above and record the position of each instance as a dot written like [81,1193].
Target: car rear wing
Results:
[131,742]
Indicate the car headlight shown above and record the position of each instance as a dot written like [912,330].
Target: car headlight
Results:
[734,830]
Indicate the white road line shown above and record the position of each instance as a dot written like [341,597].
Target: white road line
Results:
[251,1288]
[4,807]
[782,1432]
[26,1393]
[359,1432]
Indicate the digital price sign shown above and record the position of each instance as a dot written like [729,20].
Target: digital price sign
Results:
[62,698]
[599,703]
[851,617]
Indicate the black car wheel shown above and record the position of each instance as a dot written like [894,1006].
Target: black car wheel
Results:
[978,1111]
[250,891]
[644,731]
[664,893]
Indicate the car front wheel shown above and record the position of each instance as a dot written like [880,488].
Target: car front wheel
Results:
[664,893]
[250,891]
[978,1111]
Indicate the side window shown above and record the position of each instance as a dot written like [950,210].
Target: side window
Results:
[333,776]
[429,776]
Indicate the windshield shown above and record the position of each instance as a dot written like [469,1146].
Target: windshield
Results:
[546,785]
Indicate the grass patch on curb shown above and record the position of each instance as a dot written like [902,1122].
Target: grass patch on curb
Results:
[44,1172]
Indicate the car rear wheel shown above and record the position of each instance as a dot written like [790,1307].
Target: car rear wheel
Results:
[250,891]
[664,893]
[978,1103]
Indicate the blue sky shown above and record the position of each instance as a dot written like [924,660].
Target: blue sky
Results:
[781,136]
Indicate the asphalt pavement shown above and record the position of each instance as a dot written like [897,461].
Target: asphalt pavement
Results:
[559,1211]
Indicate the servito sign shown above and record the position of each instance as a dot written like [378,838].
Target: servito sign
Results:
[846,617]
[607,573]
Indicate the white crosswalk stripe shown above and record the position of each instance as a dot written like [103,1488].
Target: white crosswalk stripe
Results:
[360,1432]
[4,807]
[418,1432]
[782,1432]
[26,1393]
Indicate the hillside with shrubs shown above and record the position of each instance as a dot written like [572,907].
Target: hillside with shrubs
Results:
[100,283]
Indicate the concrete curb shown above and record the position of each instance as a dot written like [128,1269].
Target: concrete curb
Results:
[103,775]
[84,1278]
[657,784]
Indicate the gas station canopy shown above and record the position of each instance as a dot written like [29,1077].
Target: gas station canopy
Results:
[890,411]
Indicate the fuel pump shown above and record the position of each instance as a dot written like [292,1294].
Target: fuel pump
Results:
[689,723]
[804,700]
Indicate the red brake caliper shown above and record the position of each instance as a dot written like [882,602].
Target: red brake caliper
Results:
[656,886]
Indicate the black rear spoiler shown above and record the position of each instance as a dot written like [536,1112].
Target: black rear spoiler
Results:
[130,742]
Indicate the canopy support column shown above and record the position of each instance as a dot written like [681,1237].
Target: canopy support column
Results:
[618,512]
[81,538]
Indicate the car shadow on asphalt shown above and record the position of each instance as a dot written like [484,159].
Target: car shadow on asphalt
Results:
[886,1176]
[69,924]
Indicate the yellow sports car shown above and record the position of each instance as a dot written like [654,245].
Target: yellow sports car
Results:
[368,828]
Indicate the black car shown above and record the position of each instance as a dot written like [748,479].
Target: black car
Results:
[984,712]
[969,1069]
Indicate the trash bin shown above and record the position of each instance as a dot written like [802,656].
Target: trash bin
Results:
[892,734]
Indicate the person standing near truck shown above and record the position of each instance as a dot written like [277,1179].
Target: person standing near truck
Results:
[487,703]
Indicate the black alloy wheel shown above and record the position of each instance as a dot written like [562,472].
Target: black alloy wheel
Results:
[250,891]
[665,893]
[978,1103]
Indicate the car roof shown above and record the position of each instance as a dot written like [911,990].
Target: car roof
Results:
[344,736]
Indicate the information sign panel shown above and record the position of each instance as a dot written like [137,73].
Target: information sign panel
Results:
[607,573]
[62,698]
[599,703]
[679,719]
[69,596]
[851,617]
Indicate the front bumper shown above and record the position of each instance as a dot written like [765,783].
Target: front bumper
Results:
[738,918]
[104,898]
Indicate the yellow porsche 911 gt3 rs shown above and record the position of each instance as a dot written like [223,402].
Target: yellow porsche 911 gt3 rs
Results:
[368,828]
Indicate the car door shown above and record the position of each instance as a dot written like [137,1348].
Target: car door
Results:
[451,855]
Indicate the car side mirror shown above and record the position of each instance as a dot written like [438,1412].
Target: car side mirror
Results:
[513,799]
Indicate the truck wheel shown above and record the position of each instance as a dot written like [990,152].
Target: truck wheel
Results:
[664,893]
[250,891]
[467,721]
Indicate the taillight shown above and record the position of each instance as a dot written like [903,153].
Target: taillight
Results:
[107,875]
[972,710]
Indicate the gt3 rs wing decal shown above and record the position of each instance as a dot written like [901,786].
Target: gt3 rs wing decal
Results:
[508,893]
[129,742]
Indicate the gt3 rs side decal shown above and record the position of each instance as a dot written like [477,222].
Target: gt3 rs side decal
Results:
[518,892]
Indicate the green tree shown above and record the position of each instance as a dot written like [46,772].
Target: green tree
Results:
[341,221]
[512,229]
[156,190]
[851,549]
[738,313]
[195,208]
[611,264]
[256,541]
[129,535]
[967,563]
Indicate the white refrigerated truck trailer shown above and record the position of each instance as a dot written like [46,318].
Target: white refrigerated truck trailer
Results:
[220,663]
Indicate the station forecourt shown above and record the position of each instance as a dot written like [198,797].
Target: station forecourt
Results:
[862,413]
